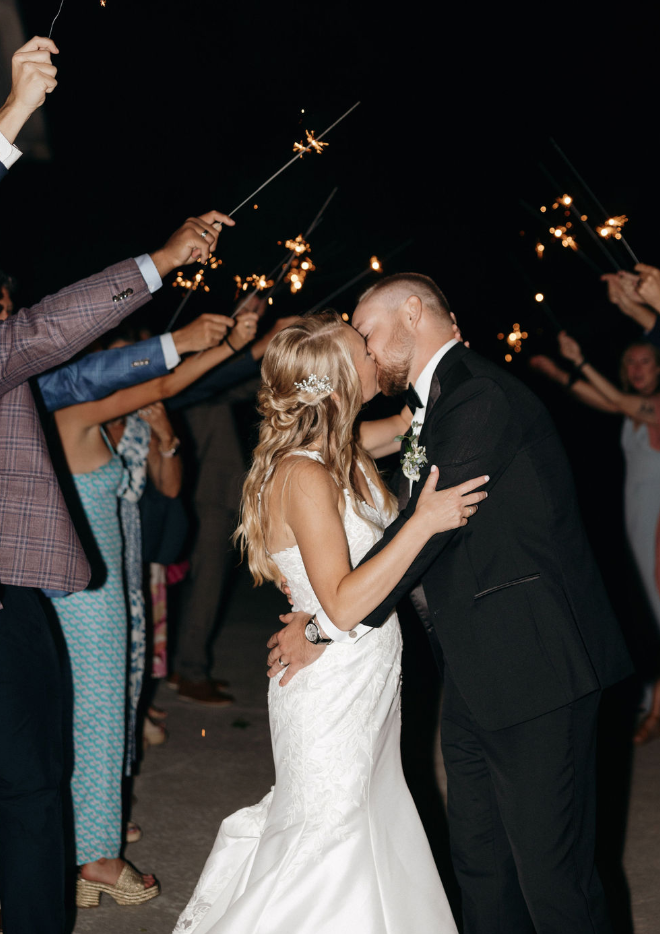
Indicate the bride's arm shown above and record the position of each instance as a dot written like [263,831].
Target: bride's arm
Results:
[312,512]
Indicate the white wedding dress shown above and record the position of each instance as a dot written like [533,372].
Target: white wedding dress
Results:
[336,846]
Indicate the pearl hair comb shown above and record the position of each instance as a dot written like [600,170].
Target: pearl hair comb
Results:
[314,384]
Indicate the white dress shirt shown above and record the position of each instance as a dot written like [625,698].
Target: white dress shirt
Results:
[8,153]
[423,389]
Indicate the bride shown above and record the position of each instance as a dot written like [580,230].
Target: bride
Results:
[336,847]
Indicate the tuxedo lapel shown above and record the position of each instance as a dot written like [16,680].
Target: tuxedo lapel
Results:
[442,376]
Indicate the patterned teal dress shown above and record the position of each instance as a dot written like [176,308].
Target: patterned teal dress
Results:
[95,629]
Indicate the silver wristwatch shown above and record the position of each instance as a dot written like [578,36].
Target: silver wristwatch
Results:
[313,633]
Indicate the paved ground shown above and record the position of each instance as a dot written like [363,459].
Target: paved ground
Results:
[219,760]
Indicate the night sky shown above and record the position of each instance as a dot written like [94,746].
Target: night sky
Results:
[166,109]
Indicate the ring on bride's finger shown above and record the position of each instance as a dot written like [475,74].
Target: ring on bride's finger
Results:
[204,234]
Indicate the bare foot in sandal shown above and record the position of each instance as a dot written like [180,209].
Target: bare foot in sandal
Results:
[108,871]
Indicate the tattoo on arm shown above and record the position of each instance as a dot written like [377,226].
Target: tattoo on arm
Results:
[646,408]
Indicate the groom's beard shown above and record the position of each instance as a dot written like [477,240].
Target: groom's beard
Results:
[396,361]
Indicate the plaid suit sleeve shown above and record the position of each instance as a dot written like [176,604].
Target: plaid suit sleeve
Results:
[99,374]
[41,337]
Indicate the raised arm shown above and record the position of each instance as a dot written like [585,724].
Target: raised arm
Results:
[313,512]
[636,406]
[622,290]
[41,337]
[32,77]
[379,437]
[78,419]
[579,388]
[99,374]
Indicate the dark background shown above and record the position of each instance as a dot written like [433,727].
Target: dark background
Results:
[166,109]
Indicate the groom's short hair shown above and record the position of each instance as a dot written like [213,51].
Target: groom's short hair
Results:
[412,283]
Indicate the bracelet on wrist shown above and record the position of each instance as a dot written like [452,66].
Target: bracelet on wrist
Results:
[171,451]
[229,344]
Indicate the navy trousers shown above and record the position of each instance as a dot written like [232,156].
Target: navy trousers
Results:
[31,765]
[522,814]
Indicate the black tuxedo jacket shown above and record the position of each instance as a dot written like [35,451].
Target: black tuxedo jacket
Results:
[515,597]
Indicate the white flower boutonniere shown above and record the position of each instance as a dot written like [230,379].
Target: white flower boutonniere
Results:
[414,455]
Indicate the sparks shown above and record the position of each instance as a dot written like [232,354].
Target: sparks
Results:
[515,338]
[298,246]
[255,281]
[612,227]
[197,281]
[540,249]
[297,273]
[312,143]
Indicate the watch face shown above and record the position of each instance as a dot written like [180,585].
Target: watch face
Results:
[311,632]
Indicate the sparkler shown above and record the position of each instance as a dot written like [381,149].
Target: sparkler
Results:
[588,190]
[258,282]
[295,251]
[515,338]
[295,157]
[612,227]
[561,233]
[56,15]
[592,233]
[312,143]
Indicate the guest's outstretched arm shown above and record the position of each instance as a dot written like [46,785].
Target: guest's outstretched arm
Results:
[379,437]
[32,78]
[81,418]
[579,388]
[642,408]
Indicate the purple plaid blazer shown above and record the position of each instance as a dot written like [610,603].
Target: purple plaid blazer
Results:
[38,544]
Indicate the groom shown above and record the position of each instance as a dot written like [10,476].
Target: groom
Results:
[514,605]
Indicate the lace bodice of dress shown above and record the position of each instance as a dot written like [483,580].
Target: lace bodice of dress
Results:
[363,525]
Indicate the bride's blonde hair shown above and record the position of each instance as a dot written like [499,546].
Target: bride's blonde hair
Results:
[295,418]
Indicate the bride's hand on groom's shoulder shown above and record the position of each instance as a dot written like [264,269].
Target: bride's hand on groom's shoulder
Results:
[443,510]
[290,649]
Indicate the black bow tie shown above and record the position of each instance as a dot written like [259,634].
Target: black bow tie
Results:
[412,399]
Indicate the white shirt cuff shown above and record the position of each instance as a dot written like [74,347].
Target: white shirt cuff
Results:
[8,153]
[170,353]
[149,272]
[339,635]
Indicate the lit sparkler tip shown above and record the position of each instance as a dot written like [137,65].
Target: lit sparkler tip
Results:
[312,144]
[374,262]
[539,297]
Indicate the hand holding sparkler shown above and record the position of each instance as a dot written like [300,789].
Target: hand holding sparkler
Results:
[648,286]
[204,332]
[245,329]
[622,291]
[195,240]
[570,349]
[32,77]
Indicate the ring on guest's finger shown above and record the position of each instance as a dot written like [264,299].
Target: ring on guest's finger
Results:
[204,234]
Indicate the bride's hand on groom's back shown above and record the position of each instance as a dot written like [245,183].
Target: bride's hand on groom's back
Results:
[451,508]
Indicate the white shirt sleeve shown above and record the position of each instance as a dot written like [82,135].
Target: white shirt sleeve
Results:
[170,353]
[339,635]
[149,272]
[8,153]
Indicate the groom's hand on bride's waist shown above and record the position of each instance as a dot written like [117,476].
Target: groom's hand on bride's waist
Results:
[290,649]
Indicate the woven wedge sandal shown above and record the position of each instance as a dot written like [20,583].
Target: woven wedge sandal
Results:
[128,890]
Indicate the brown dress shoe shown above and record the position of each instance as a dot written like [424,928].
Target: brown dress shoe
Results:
[204,692]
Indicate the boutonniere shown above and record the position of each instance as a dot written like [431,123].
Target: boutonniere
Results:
[414,455]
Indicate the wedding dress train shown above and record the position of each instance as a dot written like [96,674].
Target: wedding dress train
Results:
[336,846]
